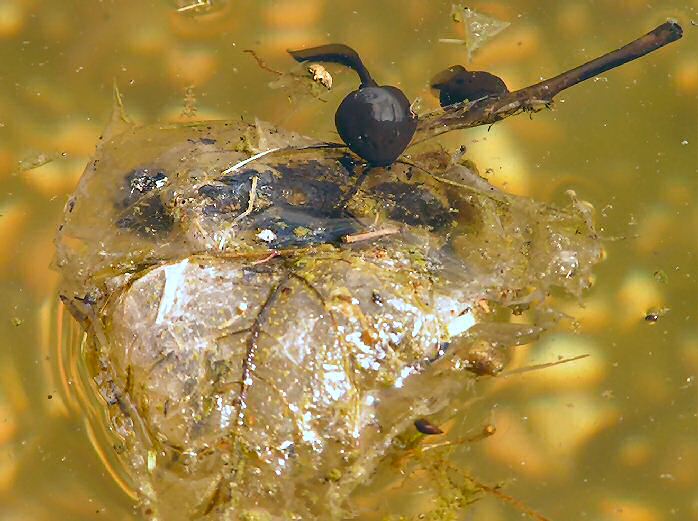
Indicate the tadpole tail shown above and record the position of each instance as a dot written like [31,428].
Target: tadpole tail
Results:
[336,53]
[659,37]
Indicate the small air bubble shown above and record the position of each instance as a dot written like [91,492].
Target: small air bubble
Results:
[661,276]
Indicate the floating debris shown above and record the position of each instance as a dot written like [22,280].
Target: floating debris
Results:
[487,431]
[299,82]
[261,63]
[661,277]
[426,427]
[320,75]
[267,236]
[198,7]
[653,315]
[152,460]
[38,160]
[478,27]
[367,236]
[189,109]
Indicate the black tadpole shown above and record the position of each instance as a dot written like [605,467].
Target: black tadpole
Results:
[375,121]
[457,84]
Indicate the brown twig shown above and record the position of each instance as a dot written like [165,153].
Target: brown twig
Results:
[367,236]
[516,503]
[262,64]
[266,259]
[535,97]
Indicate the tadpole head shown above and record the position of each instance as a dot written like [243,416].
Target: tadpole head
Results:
[374,121]
[457,84]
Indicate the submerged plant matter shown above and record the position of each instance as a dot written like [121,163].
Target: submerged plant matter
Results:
[271,331]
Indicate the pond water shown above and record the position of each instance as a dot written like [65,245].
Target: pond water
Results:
[612,437]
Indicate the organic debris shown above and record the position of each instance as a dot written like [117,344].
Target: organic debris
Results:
[478,28]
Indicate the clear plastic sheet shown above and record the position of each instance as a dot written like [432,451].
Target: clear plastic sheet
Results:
[266,317]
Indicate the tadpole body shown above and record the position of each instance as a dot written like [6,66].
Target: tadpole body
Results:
[457,84]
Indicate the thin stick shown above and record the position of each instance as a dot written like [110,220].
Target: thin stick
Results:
[262,64]
[248,211]
[242,163]
[195,5]
[289,149]
[492,109]
[367,236]
[269,257]
[487,431]
[119,102]
[516,503]
[455,184]
[250,202]
[537,367]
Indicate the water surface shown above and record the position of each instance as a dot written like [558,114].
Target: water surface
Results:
[613,438]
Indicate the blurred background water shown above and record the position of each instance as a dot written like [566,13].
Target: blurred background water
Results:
[610,438]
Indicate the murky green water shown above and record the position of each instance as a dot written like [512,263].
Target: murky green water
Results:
[611,438]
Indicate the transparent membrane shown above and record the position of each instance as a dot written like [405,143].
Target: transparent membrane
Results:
[266,317]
